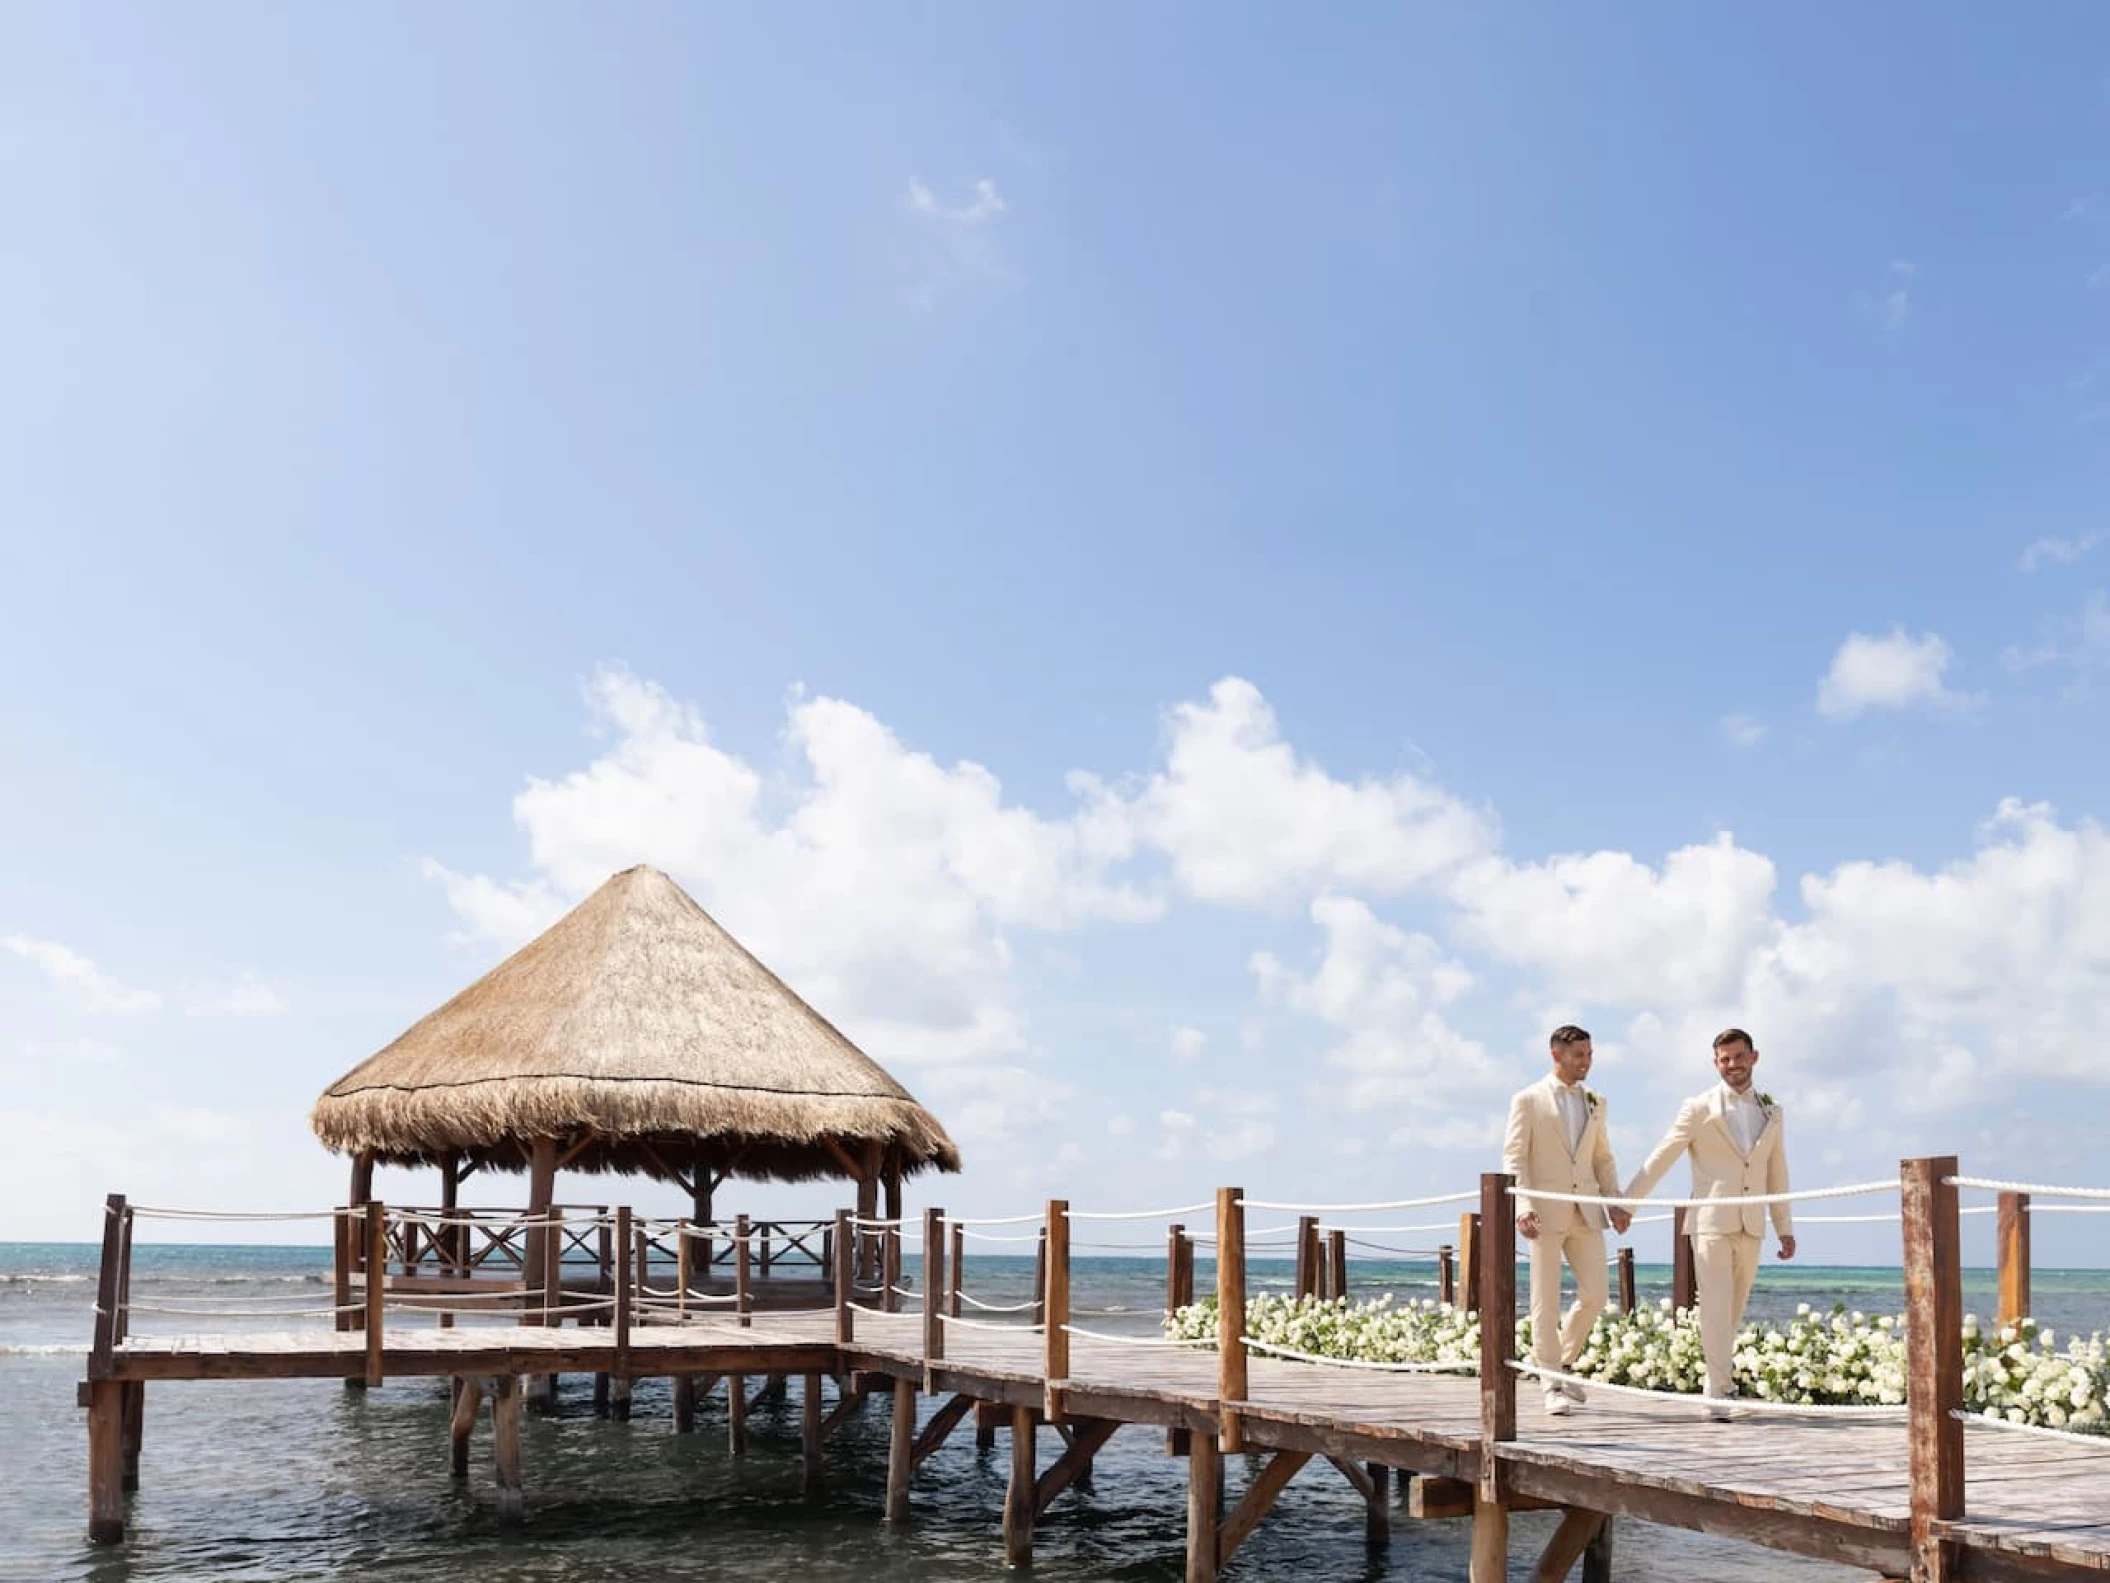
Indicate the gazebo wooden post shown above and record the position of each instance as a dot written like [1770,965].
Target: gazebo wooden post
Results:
[362,1177]
[353,1252]
[542,1259]
[867,1210]
[447,1242]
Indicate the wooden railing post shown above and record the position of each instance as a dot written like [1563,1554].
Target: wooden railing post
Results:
[1626,1280]
[681,1270]
[1307,1255]
[1055,1332]
[341,1268]
[743,1293]
[2014,1258]
[626,1255]
[109,1281]
[1230,1316]
[1447,1275]
[1469,1262]
[376,1285]
[933,1285]
[1933,1361]
[890,1267]
[955,1269]
[1498,1327]
[1040,1277]
[845,1278]
[1336,1263]
[1684,1286]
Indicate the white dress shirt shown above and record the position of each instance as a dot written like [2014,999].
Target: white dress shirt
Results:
[1743,1116]
[1575,1112]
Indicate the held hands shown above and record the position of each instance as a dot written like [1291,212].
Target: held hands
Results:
[1787,1247]
[1528,1226]
[1621,1219]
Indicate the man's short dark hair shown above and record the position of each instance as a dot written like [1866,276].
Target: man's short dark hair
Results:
[1567,1033]
[1729,1036]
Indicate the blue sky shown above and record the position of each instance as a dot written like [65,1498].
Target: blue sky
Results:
[1427,472]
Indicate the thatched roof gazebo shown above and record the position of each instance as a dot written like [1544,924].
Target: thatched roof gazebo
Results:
[635,1035]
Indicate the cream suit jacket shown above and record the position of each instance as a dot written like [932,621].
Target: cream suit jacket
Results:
[1720,1169]
[1535,1151]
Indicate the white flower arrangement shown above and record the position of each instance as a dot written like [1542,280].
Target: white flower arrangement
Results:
[2015,1372]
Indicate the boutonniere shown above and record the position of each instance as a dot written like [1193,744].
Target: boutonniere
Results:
[1765,1103]
[1589,1099]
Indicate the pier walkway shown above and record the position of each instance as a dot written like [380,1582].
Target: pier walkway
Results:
[1919,1493]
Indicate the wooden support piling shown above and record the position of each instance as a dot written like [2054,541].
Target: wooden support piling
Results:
[1377,1508]
[1597,1558]
[1230,1319]
[810,1432]
[106,1461]
[1933,1361]
[1074,1466]
[1496,1256]
[1179,1293]
[1204,1508]
[901,1447]
[134,1431]
[108,1282]
[1254,1505]
[1055,1335]
[736,1414]
[988,1417]
[684,1404]
[505,1447]
[468,1400]
[1019,1493]
[1566,1545]
[2014,1258]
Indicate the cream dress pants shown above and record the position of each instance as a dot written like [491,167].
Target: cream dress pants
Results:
[1555,1343]
[1724,1264]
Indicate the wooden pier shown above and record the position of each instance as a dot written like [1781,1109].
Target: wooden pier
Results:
[1918,1494]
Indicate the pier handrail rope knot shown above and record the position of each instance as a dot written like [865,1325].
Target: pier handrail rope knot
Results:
[2034,1189]
[1844,1190]
[1362,1209]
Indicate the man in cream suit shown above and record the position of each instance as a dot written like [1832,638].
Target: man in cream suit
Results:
[1732,1134]
[1556,1140]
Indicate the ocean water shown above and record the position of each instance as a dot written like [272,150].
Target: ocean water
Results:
[301,1479]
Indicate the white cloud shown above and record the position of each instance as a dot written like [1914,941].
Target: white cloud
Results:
[955,243]
[245,996]
[1384,989]
[1187,1045]
[1245,820]
[1896,305]
[2077,644]
[1741,731]
[1481,1134]
[1120,1126]
[1175,1131]
[2054,551]
[85,984]
[1896,671]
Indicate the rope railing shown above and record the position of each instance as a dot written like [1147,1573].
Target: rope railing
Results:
[997,1308]
[1990,1419]
[985,1324]
[1369,1365]
[1472,1197]
[1726,1201]
[1174,1342]
[2034,1189]
[1762,1404]
[1142,1214]
[163,1212]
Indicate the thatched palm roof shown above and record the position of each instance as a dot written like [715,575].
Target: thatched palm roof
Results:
[645,1038]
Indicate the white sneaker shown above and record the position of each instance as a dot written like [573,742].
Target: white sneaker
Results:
[1574,1392]
[1721,1411]
[1557,1404]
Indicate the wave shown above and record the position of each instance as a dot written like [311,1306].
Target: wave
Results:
[57,1349]
[34,1279]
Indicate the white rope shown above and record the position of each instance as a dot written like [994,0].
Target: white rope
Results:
[869,1225]
[1430,1225]
[1846,1220]
[1847,1190]
[1129,1313]
[1353,1363]
[1364,1209]
[2094,1441]
[1140,1214]
[243,1313]
[994,1220]
[984,1324]
[2046,1209]
[2034,1189]
[1136,1341]
[1739,1403]
[148,1211]
[1119,1247]
[997,1308]
[995,1236]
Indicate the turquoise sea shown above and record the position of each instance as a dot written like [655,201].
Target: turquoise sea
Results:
[303,1480]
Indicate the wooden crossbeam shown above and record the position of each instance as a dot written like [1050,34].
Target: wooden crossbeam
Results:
[851,1401]
[1365,1486]
[1430,1498]
[1566,1546]
[935,1433]
[1259,1497]
[1085,1438]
